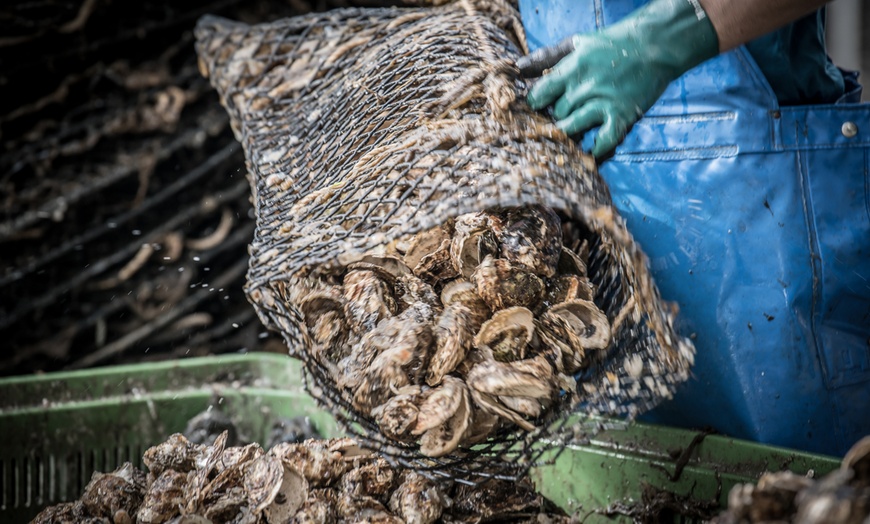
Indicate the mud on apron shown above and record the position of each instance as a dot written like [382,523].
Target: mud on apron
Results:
[756,220]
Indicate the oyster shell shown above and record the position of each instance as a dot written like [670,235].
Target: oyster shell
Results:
[531,237]
[501,285]
[418,299]
[462,317]
[318,508]
[444,439]
[857,459]
[508,333]
[164,498]
[324,313]
[526,406]
[417,500]
[320,462]
[107,495]
[387,267]
[437,405]
[176,453]
[387,374]
[369,299]
[393,334]
[398,416]
[531,378]
[483,424]
[375,479]
[428,256]
[473,240]
[274,489]
[570,263]
[585,322]
[359,509]
[569,287]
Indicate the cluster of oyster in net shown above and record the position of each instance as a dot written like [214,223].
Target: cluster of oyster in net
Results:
[463,329]
[316,481]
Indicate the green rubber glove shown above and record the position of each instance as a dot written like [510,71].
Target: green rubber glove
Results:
[612,77]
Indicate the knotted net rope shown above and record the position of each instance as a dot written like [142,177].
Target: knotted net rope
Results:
[365,126]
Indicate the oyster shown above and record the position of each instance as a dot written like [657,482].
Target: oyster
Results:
[164,498]
[115,495]
[428,256]
[439,404]
[570,263]
[417,500]
[383,379]
[569,287]
[63,513]
[857,459]
[527,406]
[501,285]
[483,424]
[355,508]
[398,416]
[444,439]
[508,333]
[417,298]
[387,267]
[318,508]
[273,488]
[375,479]
[176,453]
[369,299]
[324,314]
[320,462]
[531,237]
[491,381]
[495,500]
[395,334]
[232,457]
[473,240]
[463,315]
[586,321]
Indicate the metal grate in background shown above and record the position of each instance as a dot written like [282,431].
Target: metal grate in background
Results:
[124,208]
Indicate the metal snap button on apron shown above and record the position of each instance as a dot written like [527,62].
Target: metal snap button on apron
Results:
[849,129]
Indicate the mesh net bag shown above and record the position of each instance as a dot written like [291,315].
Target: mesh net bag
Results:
[364,127]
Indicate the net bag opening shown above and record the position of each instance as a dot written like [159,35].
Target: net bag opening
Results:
[446,263]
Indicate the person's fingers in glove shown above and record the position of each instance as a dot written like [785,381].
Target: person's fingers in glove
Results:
[534,64]
[548,89]
[585,118]
[610,134]
[574,97]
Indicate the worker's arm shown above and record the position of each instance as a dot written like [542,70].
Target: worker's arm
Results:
[612,77]
[739,21]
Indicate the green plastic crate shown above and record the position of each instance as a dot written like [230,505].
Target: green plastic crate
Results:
[58,428]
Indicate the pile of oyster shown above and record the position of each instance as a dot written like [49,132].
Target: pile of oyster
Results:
[842,497]
[463,329]
[317,481]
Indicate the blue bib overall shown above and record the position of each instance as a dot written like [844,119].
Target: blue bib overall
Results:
[756,221]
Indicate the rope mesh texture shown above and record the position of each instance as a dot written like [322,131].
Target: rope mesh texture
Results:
[362,127]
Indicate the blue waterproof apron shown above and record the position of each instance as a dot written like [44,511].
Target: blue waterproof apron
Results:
[756,220]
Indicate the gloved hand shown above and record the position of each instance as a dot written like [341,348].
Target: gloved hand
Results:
[612,77]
